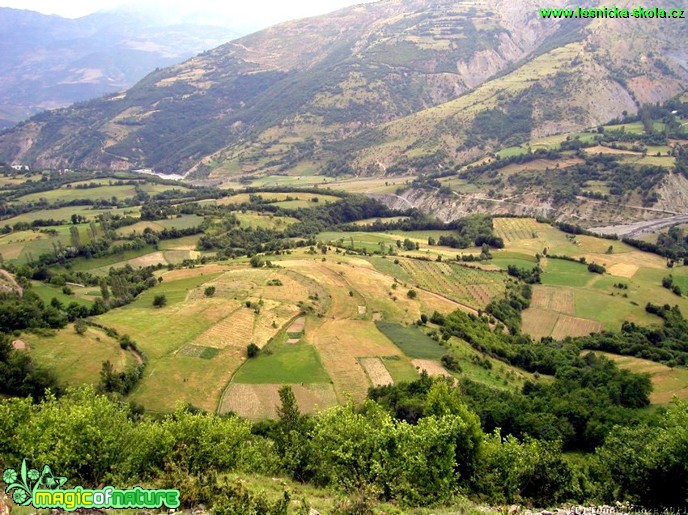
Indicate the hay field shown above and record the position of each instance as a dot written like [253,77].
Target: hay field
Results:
[340,344]
[377,372]
[260,401]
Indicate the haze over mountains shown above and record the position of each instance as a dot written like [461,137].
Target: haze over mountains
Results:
[50,61]
[369,89]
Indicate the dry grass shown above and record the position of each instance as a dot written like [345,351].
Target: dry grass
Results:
[270,321]
[235,330]
[626,270]
[539,322]
[558,299]
[377,372]
[431,367]
[185,273]
[341,343]
[574,326]
[260,401]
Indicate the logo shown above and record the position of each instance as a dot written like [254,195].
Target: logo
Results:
[42,490]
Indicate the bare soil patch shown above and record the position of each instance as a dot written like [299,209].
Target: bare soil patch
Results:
[19,345]
[627,270]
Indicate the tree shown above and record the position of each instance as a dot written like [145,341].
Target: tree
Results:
[209,291]
[252,350]
[256,262]
[80,327]
[412,294]
[74,235]
[160,301]
[104,291]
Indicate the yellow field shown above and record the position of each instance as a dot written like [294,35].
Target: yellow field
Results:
[236,330]
[574,326]
[538,322]
[260,401]
[377,372]
[341,343]
[559,299]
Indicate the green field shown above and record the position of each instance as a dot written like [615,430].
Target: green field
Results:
[77,359]
[565,273]
[400,369]
[102,193]
[65,213]
[283,363]
[47,292]
[264,221]
[412,341]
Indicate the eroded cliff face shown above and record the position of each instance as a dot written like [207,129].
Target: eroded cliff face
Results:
[673,192]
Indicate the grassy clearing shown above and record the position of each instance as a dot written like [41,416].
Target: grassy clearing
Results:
[102,264]
[77,359]
[283,363]
[412,341]
[65,213]
[47,292]
[282,198]
[483,369]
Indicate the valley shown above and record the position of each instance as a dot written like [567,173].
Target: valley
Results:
[405,257]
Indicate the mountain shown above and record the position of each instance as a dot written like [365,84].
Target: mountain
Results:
[48,61]
[375,88]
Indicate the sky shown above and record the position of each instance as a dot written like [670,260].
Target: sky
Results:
[256,13]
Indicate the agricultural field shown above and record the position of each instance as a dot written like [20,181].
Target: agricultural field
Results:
[105,192]
[466,285]
[573,301]
[412,341]
[287,200]
[181,222]
[65,214]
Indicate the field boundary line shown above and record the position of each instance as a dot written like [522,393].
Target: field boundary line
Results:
[225,389]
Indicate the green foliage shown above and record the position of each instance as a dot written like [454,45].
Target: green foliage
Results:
[19,375]
[413,464]
[596,269]
[252,350]
[160,301]
[209,291]
[528,471]
[516,298]
[646,465]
